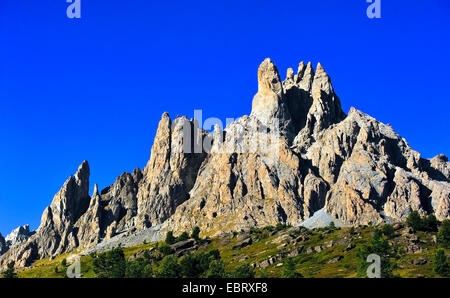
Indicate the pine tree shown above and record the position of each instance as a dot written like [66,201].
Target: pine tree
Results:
[388,230]
[443,236]
[378,245]
[10,272]
[441,266]
[216,270]
[169,267]
[138,268]
[243,271]
[170,239]
[414,221]
[196,233]
[183,237]
[289,269]
[111,264]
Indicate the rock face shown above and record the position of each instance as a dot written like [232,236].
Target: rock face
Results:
[297,159]
[58,220]
[270,102]
[172,170]
[119,204]
[57,232]
[3,246]
[17,236]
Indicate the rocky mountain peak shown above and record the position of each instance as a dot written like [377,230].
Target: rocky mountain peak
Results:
[300,71]
[269,104]
[82,174]
[18,235]
[269,79]
[321,82]
[95,192]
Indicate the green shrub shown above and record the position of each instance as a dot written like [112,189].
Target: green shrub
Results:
[388,230]
[9,272]
[331,226]
[289,269]
[380,246]
[216,270]
[414,221]
[443,236]
[196,233]
[196,265]
[111,264]
[183,237]
[169,267]
[138,268]
[281,226]
[430,223]
[170,239]
[243,271]
[440,264]
[165,249]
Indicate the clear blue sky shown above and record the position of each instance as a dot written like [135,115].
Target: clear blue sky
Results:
[95,88]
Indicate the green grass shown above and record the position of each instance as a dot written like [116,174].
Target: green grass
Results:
[314,265]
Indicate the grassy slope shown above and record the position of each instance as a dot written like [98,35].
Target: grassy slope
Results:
[309,265]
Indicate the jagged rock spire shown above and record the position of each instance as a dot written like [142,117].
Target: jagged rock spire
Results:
[269,81]
[321,82]
[300,72]
[269,103]
[305,81]
[68,205]
[174,163]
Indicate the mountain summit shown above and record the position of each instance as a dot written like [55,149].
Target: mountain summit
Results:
[315,161]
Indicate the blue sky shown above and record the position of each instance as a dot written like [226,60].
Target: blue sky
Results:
[95,88]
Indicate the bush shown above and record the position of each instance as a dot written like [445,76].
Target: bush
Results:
[170,239]
[427,224]
[64,263]
[263,273]
[430,223]
[380,246]
[138,268]
[183,237]
[443,236]
[414,221]
[331,226]
[243,271]
[388,231]
[289,269]
[281,226]
[196,233]
[111,264]
[441,266]
[169,268]
[196,265]
[165,249]
[216,270]
[10,272]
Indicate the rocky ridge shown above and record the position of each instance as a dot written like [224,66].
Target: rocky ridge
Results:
[352,168]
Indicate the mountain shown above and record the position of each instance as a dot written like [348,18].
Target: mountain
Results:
[298,156]
[18,235]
